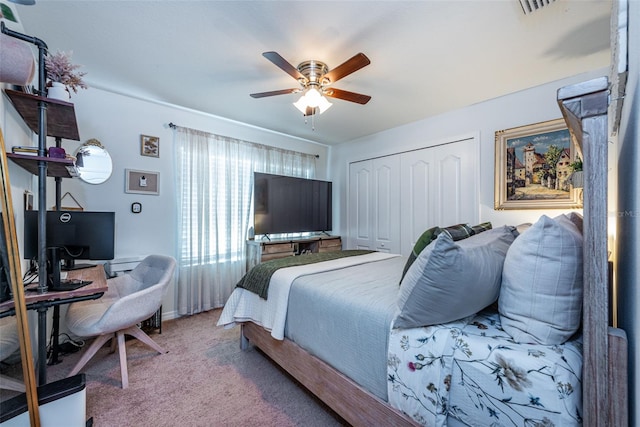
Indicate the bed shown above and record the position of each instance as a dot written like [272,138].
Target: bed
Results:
[472,372]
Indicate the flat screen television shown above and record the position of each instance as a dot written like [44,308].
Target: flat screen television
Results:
[74,235]
[285,204]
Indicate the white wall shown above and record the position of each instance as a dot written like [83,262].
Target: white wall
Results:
[117,121]
[522,108]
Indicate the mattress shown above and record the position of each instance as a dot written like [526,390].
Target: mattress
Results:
[466,372]
[344,316]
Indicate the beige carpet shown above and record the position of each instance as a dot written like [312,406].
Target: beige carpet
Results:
[203,380]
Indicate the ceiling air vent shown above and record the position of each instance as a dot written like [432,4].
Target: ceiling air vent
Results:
[530,6]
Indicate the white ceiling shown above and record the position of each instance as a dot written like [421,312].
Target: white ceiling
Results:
[427,57]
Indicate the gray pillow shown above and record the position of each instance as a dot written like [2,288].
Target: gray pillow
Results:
[541,293]
[450,280]
[457,232]
[576,219]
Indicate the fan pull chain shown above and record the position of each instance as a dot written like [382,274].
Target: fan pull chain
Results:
[313,122]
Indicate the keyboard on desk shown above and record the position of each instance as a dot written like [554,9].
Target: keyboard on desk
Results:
[70,285]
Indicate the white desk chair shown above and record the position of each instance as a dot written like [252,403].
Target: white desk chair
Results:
[131,298]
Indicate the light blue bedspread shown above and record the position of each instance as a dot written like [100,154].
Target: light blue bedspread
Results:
[356,306]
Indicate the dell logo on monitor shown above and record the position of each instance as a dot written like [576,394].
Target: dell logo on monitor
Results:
[65,217]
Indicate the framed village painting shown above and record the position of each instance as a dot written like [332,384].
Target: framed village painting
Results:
[537,167]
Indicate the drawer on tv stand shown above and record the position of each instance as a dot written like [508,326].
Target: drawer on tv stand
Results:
[330,244]
[268,257]
[276,248]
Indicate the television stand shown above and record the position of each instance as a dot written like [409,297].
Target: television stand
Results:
[259,251]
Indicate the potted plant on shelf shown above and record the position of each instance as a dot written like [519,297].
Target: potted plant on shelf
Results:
[62,76]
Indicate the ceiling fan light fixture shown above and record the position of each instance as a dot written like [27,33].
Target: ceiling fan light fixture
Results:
[312,99]
[323,104]
[301,105]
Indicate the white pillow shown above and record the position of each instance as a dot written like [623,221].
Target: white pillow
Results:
[450,280]
[541,294]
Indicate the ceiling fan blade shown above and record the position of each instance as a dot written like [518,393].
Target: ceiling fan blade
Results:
[274,92]
[284,65]
[349,66]
[347,96]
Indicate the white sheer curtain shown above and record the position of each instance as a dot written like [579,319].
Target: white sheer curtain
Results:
[214,185]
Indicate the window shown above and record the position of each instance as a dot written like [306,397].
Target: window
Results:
[214,184]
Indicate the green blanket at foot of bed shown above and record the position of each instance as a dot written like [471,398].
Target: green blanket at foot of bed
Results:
[257,279]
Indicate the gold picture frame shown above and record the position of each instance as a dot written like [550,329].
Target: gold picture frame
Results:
[149,146]
[533,167]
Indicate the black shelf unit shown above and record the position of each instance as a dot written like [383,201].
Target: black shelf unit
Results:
[45,117]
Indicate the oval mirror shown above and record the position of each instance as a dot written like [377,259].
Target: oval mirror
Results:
[93,162]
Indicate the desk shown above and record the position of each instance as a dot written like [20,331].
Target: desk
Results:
[42,302]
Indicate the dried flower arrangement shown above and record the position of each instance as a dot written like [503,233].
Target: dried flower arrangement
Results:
[60,69]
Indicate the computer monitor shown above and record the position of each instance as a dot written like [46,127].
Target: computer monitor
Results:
[71,236]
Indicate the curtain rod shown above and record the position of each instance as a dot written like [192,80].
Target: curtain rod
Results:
[317,156]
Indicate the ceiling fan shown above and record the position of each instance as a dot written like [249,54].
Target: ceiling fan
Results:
[315,80]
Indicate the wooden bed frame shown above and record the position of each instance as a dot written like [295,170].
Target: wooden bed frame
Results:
[604,376]
[352,402]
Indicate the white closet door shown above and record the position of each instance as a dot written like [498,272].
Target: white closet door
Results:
[374,204]
[417,193]
[386,209]
[439,188]
[457,183]
[360,205]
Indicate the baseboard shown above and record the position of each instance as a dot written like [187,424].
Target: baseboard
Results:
[170,315]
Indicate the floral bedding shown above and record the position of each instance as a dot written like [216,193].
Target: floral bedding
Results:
[472,371]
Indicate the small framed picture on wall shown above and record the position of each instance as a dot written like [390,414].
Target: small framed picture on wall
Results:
[149,146]
[142,182]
